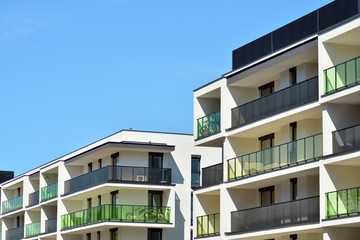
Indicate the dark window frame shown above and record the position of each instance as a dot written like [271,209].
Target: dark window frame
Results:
[151,230]
[292,76]
[196,172]
[269,86]
[150,195]
[294,189]
[270,189]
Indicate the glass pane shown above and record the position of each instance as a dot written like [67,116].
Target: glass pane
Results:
[358,70]
[330,80]
[340,76]
[350,72]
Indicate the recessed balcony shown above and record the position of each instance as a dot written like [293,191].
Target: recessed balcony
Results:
[15,233]
[32,229]
[346,139]
[285,214]
[212,175]
[116,213]
[49,192]
[278,157]
[208,125]
[342,76]
[50,225]
[118,174]
[12,204]
[208,225]
[343,203]
[275,103]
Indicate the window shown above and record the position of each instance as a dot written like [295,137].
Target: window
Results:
[266,89]
[115,159]
[88,236]
[191,209]
[114,197]
[293,127]
[266,141]
[195,171]
[293,237]
[191,234]
[154,234]
[89,202]
[293,189]
[114,234]
[293,145]
[90,167]
[98,234]
[99,200]
[155,198]
[100,163]
[18,190]
[292,76]
[267,195]
[18,222]
[156,160]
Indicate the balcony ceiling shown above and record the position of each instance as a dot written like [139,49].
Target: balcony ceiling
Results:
[271,69]
[212,94]
[349,38]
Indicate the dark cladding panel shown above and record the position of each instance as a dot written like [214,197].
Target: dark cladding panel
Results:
[293,32]
[252,51]
[6,175]
[337,12]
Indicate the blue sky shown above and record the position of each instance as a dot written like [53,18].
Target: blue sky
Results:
[72,72]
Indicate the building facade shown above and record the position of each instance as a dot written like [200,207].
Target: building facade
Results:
[287,119]
[130,185]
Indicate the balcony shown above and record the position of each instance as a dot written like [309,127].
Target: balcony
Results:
[342,76]
[208,125]
[32,229]
[285,214]
[346,139]
[49,192]
[121,174]
[116,213]
[278,157]
[33,199]
[343,203]
[208,225]
[12,204]
[277,102]
[50,225]
[212,175]
[15,233]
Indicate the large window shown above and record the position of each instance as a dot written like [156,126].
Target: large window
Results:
[155,198]
[156,160]
[195,171]
[266,89]
[294,190]
[114,235]
[154,234]
[267,195]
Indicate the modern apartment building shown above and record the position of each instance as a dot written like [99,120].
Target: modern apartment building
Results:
[287,118]
[130,185]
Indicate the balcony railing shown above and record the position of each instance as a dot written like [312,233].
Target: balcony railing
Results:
[49,192]
[346,139]
[208,125]
[208,225]
[15,233]
[33,198]
[343,203]
[12,204]
[212,175]
[118,174]
[277,102]
[116,213]
[50,225]
[342,76]
[281,156]
[32,229]
[277,215]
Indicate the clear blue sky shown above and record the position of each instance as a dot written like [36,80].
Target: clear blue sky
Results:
[72,72]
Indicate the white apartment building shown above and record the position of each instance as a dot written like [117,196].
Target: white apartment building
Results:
[130,185]
[287,118]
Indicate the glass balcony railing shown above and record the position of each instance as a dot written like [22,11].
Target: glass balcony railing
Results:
[118,174]
[346,139]
[0,235]
[116,213]
[49,192]
[33,198]
[277,102]
[343,203]
[296,212]
[212,175]
[15,233]
[50,225]
[12,204]
[208,125]
[281,156]
[32,229]
[208,225]
[342,76]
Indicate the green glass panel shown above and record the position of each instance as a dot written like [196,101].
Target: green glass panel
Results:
[245,165]
[342,202]
[49,192]
[33,229]
[300,149]
[283,155]
[238,167]
[330,79]
[331,208]
[231,169]
[352,200]
[350,72]
[340,76]
[318,145]
[357,70]
[309,148]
